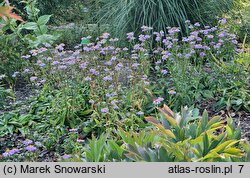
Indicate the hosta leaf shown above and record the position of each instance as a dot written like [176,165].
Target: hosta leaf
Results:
[204,120]
[165,131]
[152,120]
[6,11]
[211,131]
[164,122]
[224,145]
[212,156]
[214,120]
[229,131]
[167,110]
[196,152]
[196,140]
[216,125]
[143,153]
[233,151]
[217,141]
[170,119]
[205,144]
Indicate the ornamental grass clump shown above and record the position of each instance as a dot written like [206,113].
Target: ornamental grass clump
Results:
[124,16]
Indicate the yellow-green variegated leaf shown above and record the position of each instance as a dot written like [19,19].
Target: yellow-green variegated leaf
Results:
[211,131]
[165,131]
[217,124]
[209,156]
[224,145]
[151,119]
[212,121]
[170,119]
[233,151]
[168,110]
[229,130]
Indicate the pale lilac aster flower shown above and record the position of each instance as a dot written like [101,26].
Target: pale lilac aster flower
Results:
[26,71]
[31,148]
[202,54]
[61,67]
[146,28]
[55,62]
[15,150]
[33,78]
[107,78]
[164,72]
[8,153]
[42,81]
[73,130]
[158,100]
[221,41]
[80,141]
[27,142]
[171,92]
[66,156]
[105,35]
[223,21]
[197,24]
[135,65]
[210,36]
[235,42]
[137,47]
[91,101]
[140,113]
[104,110]
[88,79]
[217,46]
[26,57]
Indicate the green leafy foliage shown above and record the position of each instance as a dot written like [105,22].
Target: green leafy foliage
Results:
[186,136]
[100,150]
[17,38]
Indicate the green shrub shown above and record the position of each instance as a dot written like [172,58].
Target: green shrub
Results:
[17,38]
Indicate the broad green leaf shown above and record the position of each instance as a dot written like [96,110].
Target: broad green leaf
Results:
[30,26]
[43,20]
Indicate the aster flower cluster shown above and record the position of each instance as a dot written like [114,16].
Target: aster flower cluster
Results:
[106,68]
[27,146]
